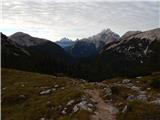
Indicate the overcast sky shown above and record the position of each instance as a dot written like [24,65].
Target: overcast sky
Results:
[55,19]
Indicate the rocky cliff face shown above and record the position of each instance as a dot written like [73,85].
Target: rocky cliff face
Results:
[135,50]
[88,47]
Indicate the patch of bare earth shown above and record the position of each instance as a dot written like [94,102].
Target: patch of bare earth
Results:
[104,111]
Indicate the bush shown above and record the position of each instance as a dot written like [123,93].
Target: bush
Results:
[155,83]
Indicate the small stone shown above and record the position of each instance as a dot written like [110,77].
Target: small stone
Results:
[90,105]
[130,98]
[53,89]
[48,102]
[4,88]
[64,112]
[83,105]
[156,102]
[142,97]
[90,110]
[56,86]
[125,81]
[148,88]
[108,91]
[75,108]
[135,88]
[130,84]
[139,77]
[22,96]
[42,119]
[142,92]
[45,92]
[62,88]
[70,102]
[124,109]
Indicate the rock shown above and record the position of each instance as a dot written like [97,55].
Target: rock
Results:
[148,88]
[124,109]
[125,81]
[107,91]
[89,109]
[142,92]
[157,102]
[56,86]
[90,105]
[64,112]
[141,97]
[62,88]
[83,105]
[75,108]
[131,98]
[135,88]
[42,119]
[94,101]
[45,92]
[119,104]
[70,102]
[139,77]
[48,102]
[53,89]
[130,84]
[4,88]
[22,96]
[115,111]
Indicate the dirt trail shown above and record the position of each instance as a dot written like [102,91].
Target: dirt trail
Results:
[104,111]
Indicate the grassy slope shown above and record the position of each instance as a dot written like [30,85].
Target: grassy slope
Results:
[137,110]
[17,84]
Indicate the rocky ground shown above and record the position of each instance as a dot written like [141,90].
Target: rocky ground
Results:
[33,96]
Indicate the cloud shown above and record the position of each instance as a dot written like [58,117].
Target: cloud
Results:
[54,19]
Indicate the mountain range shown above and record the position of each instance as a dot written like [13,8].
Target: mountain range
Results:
[103,55]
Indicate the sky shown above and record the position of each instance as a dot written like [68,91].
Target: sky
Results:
[55,19]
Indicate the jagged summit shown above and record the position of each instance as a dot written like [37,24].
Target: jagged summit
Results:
[65,42]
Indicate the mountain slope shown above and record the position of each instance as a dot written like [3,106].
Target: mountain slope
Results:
[63,98]
[135,53]
[13,55]
[45,56]
[88,47]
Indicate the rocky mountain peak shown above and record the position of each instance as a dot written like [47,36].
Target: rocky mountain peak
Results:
[24,39]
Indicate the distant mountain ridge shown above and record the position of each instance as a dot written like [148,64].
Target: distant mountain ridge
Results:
[88,47]
[135,53]
[65,42]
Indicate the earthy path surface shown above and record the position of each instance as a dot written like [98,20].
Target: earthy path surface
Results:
[104,111]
